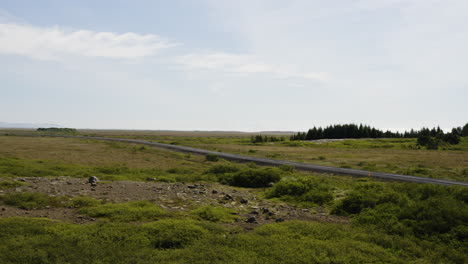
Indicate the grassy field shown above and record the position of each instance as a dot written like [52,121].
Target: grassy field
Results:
[379,222]
[401,156]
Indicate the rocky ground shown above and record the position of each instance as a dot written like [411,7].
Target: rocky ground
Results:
[251,208]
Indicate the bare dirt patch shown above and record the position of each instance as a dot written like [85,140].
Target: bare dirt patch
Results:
[251,209]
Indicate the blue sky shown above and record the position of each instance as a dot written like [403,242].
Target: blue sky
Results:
[234,65]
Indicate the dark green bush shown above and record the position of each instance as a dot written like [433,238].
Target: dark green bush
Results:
[366,195]
[251,178]
[302,190]
[422,210]
[223,168]
[287,168]
[212,157]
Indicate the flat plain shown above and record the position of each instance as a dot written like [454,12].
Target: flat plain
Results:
[157,206]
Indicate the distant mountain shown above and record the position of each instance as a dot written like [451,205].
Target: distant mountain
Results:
[26,125]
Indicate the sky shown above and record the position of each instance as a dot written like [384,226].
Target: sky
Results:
[256,65]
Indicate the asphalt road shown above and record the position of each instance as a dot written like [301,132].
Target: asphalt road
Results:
[273,162]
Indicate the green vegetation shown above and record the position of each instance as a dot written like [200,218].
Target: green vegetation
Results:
[464,130]
[15,167]
[408,209]
[84,201]
[302,189]
[264,139]
[355,131]
[125,212]
[390,222]
[250,177]
[11,184]
[212,157]
[29,200]
[188,241]
[214,214]
[57,130]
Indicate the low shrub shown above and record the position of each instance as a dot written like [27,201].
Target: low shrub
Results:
[212,157]
[84,201]
[302,190]
[251,178]
[11,184]
[32,200]
[223,168]
[125,212]
[171,233]
[286,168]
[214,214]
[422,210]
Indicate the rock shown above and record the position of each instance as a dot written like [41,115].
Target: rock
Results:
[271,213]
[92,219]
[151,179]
[69,183]
[228,197]
[214,191]
[265,210]
[93,184]
[191,186]
[23,180]
[254,212]
[93,179]
[244,201]
[3,209]
[251,219]
[278,220]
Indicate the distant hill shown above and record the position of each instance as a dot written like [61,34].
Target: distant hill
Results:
[26,125]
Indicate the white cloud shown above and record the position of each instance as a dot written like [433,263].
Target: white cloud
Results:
[243,64]
[55,42]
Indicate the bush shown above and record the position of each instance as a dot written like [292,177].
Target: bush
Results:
[422,210]
[214,214]
[212,157]
[302,190]
[367,195]
[131,211]
[286,168]
[173,233]
[29,200]
[223,168]
[251,178]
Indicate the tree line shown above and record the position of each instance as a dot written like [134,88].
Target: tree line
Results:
[365,131]
[262,139]
[57,130]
